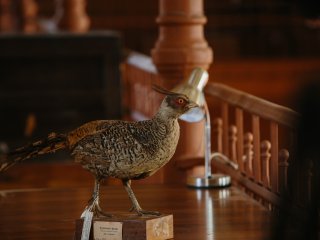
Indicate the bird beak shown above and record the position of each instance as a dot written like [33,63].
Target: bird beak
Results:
[192,105]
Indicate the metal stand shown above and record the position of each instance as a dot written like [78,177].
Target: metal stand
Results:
[209,180]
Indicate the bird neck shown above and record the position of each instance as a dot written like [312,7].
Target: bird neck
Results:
[170,122]
[166,114]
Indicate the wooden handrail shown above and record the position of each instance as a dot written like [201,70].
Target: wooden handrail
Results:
[263,108]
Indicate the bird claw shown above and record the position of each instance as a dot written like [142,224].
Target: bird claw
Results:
[100,213]
[142,212]
[93,206]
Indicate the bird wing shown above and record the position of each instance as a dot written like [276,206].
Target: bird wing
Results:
[111,141]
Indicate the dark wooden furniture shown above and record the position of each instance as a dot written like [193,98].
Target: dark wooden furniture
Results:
[61,80]
[198,214]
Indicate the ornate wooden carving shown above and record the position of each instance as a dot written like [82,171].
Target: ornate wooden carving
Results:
[239,125]
[274,164]
[225,120]
[248,151]
[233,143]
[256,147]
[181,45]
[265,159]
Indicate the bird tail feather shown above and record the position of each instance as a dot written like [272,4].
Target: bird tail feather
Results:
[50,144]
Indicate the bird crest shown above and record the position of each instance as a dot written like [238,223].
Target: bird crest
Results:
[164,91]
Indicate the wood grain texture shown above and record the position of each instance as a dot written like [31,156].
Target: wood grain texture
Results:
[198,214]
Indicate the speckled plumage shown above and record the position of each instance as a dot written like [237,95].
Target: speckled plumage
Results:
[115,148]
[126,150]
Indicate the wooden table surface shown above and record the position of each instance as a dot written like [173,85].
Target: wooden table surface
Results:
[198,214]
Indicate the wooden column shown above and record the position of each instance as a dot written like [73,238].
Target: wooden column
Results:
[7,21]
[181,45]
[72,16]
[29,14]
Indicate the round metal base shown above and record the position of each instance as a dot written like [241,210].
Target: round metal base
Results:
[215,180]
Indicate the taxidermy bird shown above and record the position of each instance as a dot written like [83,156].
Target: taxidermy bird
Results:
[115,148]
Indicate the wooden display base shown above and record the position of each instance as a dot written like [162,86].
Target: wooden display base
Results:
[129,227]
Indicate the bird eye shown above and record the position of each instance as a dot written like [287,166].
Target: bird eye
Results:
[180,101]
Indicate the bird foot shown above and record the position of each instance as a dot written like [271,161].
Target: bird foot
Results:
[142,212]
[95,208]
[96,212]
[100,213]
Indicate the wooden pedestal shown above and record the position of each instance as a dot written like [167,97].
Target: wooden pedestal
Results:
[129,227]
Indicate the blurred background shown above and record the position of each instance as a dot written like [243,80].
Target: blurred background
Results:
[268,48]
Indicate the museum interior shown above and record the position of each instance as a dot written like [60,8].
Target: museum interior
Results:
[247,168]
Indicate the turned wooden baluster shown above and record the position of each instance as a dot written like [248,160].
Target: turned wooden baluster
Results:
[248,151]
[283,168]
[239,125]
[71,15]
[256,148]
[29,14]
[225,121]
[265,159]
[181,44]
[274,163]
[217,133]
[7,22]
[233,143]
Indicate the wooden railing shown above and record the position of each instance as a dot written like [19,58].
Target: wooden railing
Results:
[255,134]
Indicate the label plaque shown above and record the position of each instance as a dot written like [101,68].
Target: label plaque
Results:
[107,230]
[128,226]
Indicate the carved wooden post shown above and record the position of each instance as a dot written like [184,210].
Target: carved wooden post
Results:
[248,149]
[265,159]
[181,45]
[72,16]
[7,22]
[29,12]
[233,143]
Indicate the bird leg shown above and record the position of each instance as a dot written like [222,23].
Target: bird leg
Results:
[94,202]
[135,205]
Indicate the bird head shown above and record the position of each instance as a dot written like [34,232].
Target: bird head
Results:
[174,104]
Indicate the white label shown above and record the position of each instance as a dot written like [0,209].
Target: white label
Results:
[107,230]
[86,225]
